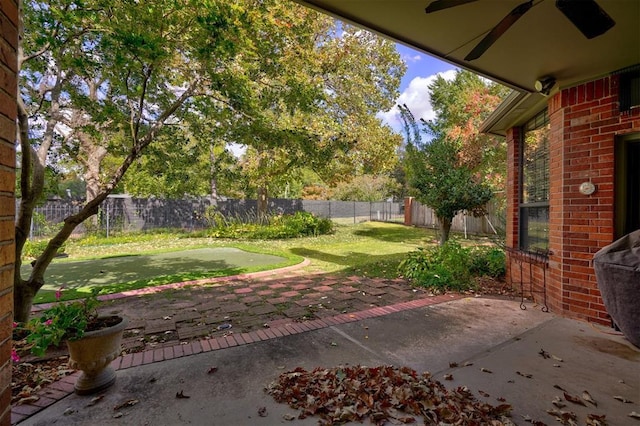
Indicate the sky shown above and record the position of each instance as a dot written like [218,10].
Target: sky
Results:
[422,69]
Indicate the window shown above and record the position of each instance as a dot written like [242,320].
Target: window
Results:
[534,186]
[627,184]
[630,89]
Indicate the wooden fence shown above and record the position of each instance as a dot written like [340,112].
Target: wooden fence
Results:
[492,223]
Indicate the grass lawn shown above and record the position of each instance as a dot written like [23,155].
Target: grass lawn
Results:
[126,272]
[132,261]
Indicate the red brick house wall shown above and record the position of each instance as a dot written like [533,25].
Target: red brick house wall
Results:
[8,110]
[584,123]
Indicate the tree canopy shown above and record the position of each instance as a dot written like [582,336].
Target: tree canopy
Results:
[339,77]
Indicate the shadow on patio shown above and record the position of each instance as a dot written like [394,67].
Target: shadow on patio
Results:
[285,320]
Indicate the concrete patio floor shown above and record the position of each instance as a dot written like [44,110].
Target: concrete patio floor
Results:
[492,334]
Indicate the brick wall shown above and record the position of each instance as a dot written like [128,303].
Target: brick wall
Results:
[585,122]
[591,121]
[8,91]
[556,165]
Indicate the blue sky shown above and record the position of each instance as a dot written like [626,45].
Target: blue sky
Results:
[422,69]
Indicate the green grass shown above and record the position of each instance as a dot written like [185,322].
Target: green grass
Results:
[371,249]
[116,273]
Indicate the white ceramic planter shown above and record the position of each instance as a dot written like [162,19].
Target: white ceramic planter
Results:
[93,354]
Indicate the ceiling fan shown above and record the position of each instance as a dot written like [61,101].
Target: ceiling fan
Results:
[586,15]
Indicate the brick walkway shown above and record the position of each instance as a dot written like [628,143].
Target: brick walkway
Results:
[183,319]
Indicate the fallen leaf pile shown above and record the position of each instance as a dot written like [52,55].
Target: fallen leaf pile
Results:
[28,378]
[381,394]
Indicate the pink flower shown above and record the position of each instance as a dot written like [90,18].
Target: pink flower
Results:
[59,293]
[48,322]
[14,356]
[15,324]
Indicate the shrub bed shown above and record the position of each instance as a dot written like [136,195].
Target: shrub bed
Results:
[299,224]
[451,266]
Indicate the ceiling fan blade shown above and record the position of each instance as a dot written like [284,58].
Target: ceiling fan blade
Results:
[437,5]
[587,16]
[498,30]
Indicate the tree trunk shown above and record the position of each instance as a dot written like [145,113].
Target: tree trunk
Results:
[25,290]
[94,156]
[92,173]
[445,227]
[23,295]
[213,170]
[262,202]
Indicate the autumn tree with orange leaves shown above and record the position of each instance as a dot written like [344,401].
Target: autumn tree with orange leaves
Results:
[452,167]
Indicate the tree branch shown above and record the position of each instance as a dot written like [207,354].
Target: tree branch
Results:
[145,83]
[36,279]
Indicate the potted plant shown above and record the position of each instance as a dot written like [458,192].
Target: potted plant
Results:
[93,341]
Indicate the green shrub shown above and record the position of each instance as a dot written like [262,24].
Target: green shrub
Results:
[34,248]
[300,224]
[43,227]
[488,261]
[304,223]
[213,217]
[440,268]
[451,266]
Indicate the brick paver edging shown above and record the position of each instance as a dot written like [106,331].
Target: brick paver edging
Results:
[62,388]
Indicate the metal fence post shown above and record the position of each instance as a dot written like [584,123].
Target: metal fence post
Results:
[107,208]
[354,212]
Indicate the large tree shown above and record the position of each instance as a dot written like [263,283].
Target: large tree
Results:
[338,78]
[101,80]
[461,106]
[191,160]
[451,166]
[311,94]
[365,188]
[112,75]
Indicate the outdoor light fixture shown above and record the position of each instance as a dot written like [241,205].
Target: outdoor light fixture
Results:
[545,84]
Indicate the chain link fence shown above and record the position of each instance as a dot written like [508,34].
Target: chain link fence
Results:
[121,213]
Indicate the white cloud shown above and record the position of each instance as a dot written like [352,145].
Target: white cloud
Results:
[417,97]
[412,59]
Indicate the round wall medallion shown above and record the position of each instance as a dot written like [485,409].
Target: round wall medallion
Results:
[587,188]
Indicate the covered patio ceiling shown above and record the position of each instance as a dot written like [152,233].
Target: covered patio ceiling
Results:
[542,42]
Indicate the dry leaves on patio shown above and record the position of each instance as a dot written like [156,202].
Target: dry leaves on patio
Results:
[28,378]
[381,394]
